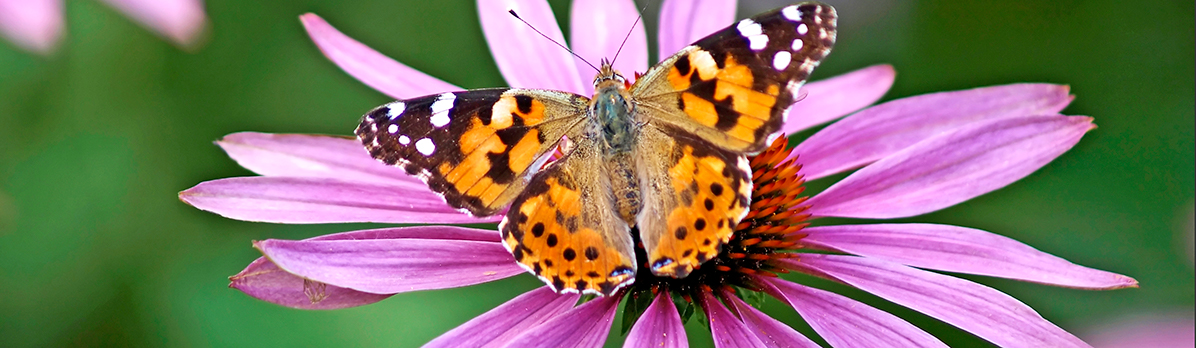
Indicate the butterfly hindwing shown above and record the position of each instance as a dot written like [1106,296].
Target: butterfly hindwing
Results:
[694,196]
[564,227]
[734,87]
[474,147]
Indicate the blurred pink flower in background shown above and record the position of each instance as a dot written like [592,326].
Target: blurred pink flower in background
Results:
[38,26]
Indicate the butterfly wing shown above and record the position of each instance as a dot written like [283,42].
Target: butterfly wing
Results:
[564,227]
[733,87]
[473,147]
[694,195]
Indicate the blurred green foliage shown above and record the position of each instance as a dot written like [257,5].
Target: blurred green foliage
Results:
[97,139]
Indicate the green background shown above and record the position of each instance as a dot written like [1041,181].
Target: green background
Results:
[97,140]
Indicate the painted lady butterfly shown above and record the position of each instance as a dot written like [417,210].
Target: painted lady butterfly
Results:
[664,156]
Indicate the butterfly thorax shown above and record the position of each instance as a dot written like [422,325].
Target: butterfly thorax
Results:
[613,117]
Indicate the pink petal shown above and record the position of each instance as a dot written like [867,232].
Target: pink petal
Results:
[878,131]
[395,260]
[659,326]
[526,59]
[1145,330]
[683,22]
[599,27]
[35,25]
[727,330]
[983,311]
[951,168]
[584,326]
[959,249]
[771,332]
[497,327]
[312,156]
[178,20]
[368,66]
[832,98]
[265,281]
[843,322]
[317,200]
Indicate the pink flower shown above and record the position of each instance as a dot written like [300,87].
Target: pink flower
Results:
[37,25]
[915,155]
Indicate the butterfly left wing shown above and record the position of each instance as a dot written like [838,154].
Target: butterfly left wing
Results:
[472,147]
[733,87]
[694,194]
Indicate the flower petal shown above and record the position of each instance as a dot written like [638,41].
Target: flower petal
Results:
[951,168]
[684,21]
[525,59]
[844,322]
[395,260]
[659,326]
[771,332]
[878,131]
[314,156]
[265,281]
[178,20]
[35,25]
[503,323]
[586,325]
[317,200]
[598,29]
[983,311]
[727,330]
[960,249]
[368,66]
[832,98]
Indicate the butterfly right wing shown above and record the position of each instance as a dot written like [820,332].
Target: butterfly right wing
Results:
[473,147]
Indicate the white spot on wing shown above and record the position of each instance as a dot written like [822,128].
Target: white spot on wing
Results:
[443,103]
[798,44]
[395,109]
[404,140]
[440,119]
[392,129]
[754,33]
[425,146]
[802,29]
[781,60]
[791,13]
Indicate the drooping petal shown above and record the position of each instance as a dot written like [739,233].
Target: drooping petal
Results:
[876,132]
[180,21]
[771,332]
[586,325]
[659,326]
[684,21]
[960,249]
[599,27]
[983,311]
[396,260]
[727,330]
[313,156]
[503,323]
[525,59]
[951,168]
[35,25]
[835,97]
[318,200]
[265,281]
[844,322]
[368,66]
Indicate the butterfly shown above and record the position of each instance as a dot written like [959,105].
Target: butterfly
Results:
[664,156]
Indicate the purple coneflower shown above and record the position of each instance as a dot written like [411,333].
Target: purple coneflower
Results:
[37,25]
[918,155]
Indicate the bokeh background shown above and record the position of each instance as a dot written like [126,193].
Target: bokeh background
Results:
[97,139]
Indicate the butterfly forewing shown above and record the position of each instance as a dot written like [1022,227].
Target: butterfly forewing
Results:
[733,87]
[474,147]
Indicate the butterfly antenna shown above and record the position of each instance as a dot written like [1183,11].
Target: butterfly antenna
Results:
[629,31]
[529,25]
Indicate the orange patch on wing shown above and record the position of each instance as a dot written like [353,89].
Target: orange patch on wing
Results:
[507,108]
[695,229]
[475,165]
[700,110]
[524,152]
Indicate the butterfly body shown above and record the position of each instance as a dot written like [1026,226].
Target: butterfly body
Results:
[665,156]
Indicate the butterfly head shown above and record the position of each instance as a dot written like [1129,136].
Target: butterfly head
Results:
[613,108]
